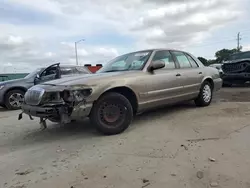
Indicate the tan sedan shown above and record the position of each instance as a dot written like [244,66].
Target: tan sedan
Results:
[125,86]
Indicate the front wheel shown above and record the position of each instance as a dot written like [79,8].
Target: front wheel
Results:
[205,96]
[112,114]
[14,99]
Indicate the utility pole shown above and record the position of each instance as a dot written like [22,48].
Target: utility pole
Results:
[76,49]
[76,53]
[238,41]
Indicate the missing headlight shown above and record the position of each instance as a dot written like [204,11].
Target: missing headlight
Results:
[75,95]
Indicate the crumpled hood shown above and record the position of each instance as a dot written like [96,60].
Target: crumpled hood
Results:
[91,79]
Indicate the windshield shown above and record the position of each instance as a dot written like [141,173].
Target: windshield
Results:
[131,61]
[34,73]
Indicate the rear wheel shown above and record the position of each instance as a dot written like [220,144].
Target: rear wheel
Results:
[14,99]
[205,95]
[112,114]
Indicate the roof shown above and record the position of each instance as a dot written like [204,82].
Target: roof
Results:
[154,49]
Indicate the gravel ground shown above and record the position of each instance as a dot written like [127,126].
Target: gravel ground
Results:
[178,146]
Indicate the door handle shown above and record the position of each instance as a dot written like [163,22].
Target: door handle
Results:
[200,72]
[178,74]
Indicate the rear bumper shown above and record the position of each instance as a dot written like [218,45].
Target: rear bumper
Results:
[236,76]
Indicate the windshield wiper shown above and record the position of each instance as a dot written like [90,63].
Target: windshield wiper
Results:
[115,70]
[47,84]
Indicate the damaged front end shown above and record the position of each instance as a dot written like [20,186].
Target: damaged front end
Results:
[236,71]
[56,103]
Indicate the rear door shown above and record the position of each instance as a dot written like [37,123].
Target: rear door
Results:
[190,72]
[164,84]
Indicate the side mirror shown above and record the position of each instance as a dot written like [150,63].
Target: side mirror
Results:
[156,65]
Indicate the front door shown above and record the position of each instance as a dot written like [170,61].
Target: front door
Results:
[50,73]
[163,85]
[191,73]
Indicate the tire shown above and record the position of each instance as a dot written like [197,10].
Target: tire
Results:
[10,95]
[205,96]
[111,114]
[2,105]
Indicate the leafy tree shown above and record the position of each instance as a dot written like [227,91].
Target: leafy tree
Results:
[203,60]
[211,61]
[220,55]
[224,54]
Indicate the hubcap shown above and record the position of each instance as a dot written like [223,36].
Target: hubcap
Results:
[16,99]
[111,114]
[207,93]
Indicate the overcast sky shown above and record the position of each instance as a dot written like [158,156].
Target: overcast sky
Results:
[36,33]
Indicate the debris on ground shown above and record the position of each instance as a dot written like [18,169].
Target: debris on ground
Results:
[173,174]
[201,139]
[43,173]
[24,172]
[214,184]
[19,186]
[146,185]
[211,159]
[200,174]
[185,147]
[145,180]
[60,150]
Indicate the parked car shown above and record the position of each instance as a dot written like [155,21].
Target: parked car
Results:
[127,85]
[236,69]
[217,66]
[12,92]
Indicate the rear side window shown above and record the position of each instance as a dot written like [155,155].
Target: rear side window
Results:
[67,70]
[182,59]
[192,61]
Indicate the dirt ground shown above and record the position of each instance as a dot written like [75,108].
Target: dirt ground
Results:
[179,146]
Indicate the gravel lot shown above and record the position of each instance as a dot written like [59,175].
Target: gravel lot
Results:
[178,146]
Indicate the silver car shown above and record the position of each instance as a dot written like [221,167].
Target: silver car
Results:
[127,85]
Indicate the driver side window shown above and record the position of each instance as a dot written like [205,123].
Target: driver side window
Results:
[48,72]
[164,55]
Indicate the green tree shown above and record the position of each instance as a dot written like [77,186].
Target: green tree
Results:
[203,60]
[224,54]
[211,61]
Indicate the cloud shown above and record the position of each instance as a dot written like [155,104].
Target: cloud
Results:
[15,50]
[146,23]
